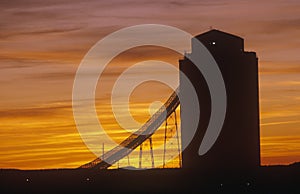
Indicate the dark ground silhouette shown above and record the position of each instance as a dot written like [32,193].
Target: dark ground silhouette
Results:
[272,179]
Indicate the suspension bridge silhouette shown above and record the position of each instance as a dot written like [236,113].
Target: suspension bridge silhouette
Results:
[240,73]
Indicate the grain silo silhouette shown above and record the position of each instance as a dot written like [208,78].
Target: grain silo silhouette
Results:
[238,145]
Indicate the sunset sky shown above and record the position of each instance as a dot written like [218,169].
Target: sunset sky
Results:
[43,42]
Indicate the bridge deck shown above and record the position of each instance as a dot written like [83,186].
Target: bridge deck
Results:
[137,138]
